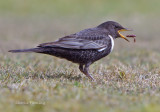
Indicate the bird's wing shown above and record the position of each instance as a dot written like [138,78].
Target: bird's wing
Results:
[79,41]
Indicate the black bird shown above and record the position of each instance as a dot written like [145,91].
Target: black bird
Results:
[84,47]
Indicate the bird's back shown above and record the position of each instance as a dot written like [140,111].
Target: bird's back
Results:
[85,46]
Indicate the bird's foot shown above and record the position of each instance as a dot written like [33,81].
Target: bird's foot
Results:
[90,77]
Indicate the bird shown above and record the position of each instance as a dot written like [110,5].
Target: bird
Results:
[84,47]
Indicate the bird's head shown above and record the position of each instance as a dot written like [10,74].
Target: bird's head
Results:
[114,29]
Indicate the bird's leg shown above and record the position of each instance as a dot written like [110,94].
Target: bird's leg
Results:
[81,68]
[85,70]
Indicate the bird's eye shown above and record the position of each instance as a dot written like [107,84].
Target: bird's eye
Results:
[116,27]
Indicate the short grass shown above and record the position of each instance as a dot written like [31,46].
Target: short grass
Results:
[126,80]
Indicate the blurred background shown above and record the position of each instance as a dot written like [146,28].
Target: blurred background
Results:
[26,23]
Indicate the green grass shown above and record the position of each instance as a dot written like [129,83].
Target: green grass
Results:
[61,87]
[126,80]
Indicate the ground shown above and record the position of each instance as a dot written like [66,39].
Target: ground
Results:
[126,80]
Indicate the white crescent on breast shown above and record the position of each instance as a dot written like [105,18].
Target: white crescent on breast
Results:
[112,42]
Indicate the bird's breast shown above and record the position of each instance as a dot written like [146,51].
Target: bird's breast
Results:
[112,42]
[110,45]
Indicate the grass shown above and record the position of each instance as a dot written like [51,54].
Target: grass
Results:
[118,87]
[126,80]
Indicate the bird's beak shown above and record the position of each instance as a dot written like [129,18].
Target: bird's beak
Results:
[122,36]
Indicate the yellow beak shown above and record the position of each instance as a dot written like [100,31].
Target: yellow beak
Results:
[122,35]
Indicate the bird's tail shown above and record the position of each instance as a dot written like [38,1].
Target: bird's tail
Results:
[38,50]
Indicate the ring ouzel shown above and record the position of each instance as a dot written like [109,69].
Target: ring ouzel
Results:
[84,47]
